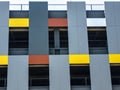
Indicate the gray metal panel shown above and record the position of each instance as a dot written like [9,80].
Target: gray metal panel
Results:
[4,14]
[116,87]
[2,88]
[38,41]
[17,73]
[100,72]
[59,72]
[38,29]
[77,28]
[4,33]
[4,17]
[80,88]
[39,88]
[38,14]
[113,26]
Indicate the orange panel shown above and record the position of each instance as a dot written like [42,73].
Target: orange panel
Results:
[57,22]
[38,59]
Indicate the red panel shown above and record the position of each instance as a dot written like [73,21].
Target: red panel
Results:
[38,59]
[57,22]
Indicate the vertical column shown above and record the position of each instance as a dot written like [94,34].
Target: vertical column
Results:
[112,15]
[18,73]
[77,33]
[38,33]
[4,32]
[59,72]
[100,72]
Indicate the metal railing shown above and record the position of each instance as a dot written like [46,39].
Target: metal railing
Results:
[56,7]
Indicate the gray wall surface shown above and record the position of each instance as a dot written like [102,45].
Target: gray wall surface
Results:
[77,28]
[59,72]
[17,73]
[112,15]
[38,29]
[100,72]
[4,30]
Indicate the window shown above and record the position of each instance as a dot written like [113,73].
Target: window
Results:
[97,41]
[58,41]
[18,42]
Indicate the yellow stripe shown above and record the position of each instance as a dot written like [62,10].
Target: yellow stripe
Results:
[79,59]
[4,60]
[114,58]
[19,22]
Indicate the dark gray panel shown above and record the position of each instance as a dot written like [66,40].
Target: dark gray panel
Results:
[59,72]
[95,14]
[80,88]
[38,29]
[2,88]
[40,88]
[4,33]
[38,14]
[57,14]
[77,28]
[4,14]
[113,26]
[116,87]
[17,73]
[100,72]
[38,41]
[19,14]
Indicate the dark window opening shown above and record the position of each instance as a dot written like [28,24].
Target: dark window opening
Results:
[80,75]
[115,75]
[51,39]
[18,42]
[97,42]
[63,39]
[3,76]
[39,75]
[58,41]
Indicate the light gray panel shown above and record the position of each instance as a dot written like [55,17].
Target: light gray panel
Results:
[38,14]
[113,36]
[100,72]
[4,41]
[59,72]
[113,26]
[17,73]
[4,14]
[112,13]
[38,42]
[77,28]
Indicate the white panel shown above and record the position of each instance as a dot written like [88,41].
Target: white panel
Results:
[97,22]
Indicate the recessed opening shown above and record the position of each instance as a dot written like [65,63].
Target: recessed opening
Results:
[39,75]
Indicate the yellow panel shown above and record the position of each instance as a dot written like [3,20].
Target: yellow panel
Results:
[114,58]
[79,59]
[4,60]
[18,22]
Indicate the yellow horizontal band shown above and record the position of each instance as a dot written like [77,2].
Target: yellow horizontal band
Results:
[114,58]
[4,60]
[19,22]
[79,59]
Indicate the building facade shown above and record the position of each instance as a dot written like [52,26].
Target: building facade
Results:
[73,49]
